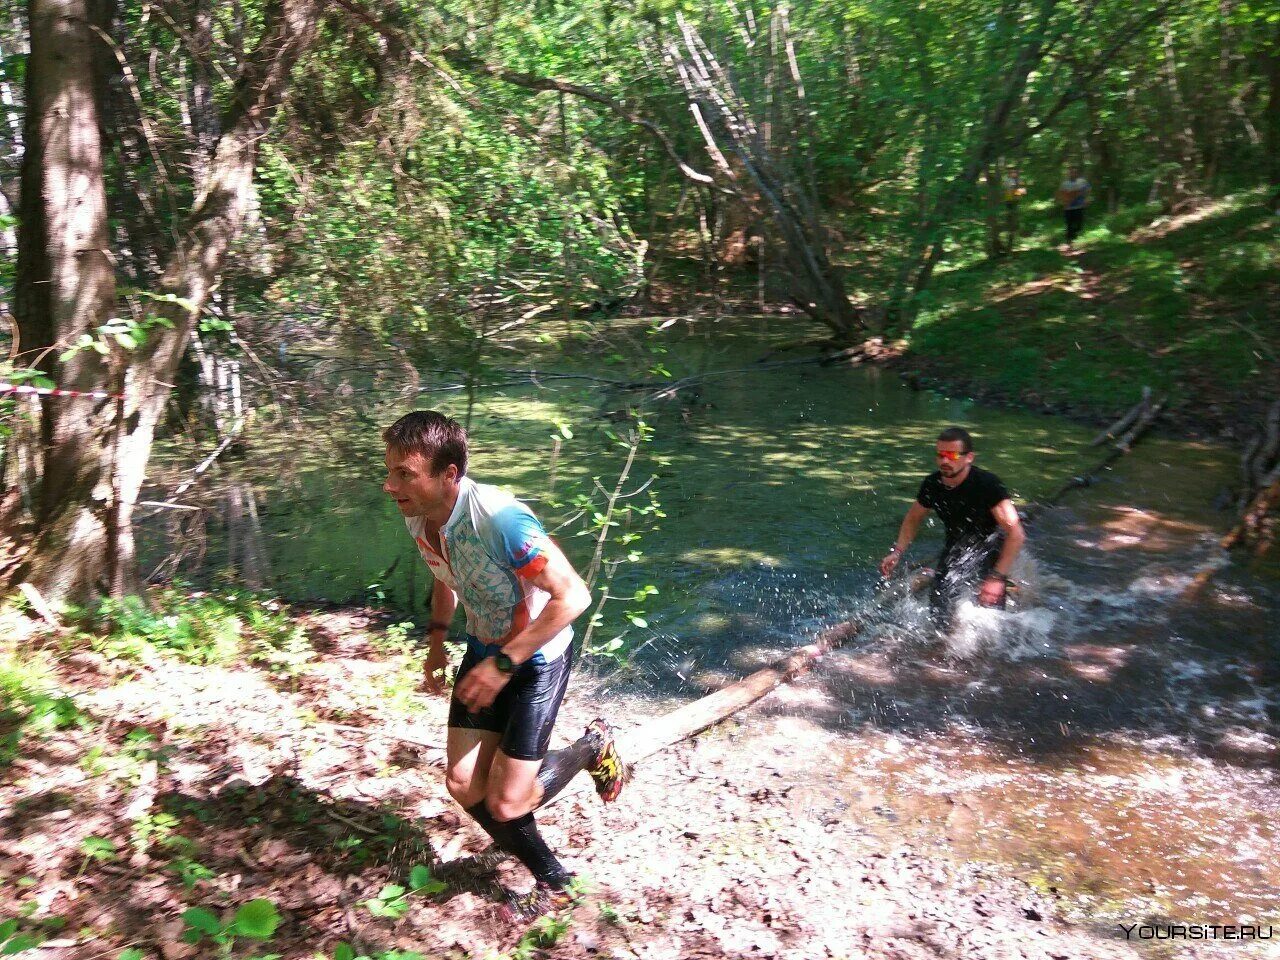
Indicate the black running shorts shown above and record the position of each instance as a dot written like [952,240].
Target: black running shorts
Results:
[524,710]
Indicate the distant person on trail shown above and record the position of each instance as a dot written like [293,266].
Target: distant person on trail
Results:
[521,596]
[983,531]
[1074,197]
[1013,192]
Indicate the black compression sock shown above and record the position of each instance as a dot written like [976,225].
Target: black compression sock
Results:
[481,815]
[561,766]
[521,839]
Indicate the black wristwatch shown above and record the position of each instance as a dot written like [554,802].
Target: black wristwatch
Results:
[504,663]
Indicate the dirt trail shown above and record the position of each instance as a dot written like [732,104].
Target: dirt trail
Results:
[742,843]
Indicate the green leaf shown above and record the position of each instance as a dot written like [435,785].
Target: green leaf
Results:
[343,951]
[391,891]
[257,919]
[133,953]
[18,944]
[202,920]
[419,877]
[100,848]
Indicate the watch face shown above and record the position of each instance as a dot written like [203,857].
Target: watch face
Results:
[503,662]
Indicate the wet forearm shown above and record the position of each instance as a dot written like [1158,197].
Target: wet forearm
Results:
[907,532]
[559,612]
[1013,540]
[444,603]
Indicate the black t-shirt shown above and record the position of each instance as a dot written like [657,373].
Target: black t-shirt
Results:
[965,510]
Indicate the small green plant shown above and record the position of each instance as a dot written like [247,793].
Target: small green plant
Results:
[395,640]
[98,849]
[392,901]
[256,920]
[12,942]
[344,951]
[153,828]
[30,702]
[545,933]
[190,872]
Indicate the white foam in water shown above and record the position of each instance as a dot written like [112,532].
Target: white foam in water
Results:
[1009,635]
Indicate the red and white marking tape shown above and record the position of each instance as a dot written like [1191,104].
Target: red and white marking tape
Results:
[24,389]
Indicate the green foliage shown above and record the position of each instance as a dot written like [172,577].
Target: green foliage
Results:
[12,942]
[256,920]
[343,951]
[616,519]
[1146,301]
[198,628]
[392,901]
[98,848]
[153,828]
[30,702]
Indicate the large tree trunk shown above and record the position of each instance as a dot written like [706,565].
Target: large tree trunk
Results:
[93,489]
[66,289]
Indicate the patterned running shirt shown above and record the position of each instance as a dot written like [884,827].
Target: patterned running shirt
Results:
[491,547]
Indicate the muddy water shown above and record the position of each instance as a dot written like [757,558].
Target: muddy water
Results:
[1113,736]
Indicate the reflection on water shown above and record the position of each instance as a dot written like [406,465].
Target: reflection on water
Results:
[1112,711]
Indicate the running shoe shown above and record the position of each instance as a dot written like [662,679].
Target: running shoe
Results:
[607,769]
[542,901]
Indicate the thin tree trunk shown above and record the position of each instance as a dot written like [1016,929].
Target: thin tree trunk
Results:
[995,242]
[1181,139]
[1271,121]
[917,269]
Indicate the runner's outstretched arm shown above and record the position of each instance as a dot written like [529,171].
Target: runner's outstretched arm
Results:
[906,533]
[993,588]
[1006,514]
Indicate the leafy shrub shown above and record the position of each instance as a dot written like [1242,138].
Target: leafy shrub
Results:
[30,702]
[198,628]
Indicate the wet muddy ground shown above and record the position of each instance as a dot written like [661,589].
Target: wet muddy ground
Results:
[777,834]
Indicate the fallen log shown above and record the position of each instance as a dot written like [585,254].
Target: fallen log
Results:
[1250,527]
[693,718]
[1140,419]
[1119,428]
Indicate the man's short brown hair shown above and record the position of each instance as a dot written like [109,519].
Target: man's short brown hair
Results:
[957,434]
[439,439]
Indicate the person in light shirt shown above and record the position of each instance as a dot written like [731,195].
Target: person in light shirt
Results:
[488,552]
[1073,195]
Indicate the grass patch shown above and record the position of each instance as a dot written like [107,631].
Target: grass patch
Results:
[1180,304]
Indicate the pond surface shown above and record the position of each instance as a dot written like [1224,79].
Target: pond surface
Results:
[1114,735]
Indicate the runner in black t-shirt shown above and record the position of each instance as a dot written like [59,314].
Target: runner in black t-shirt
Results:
[984,533]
